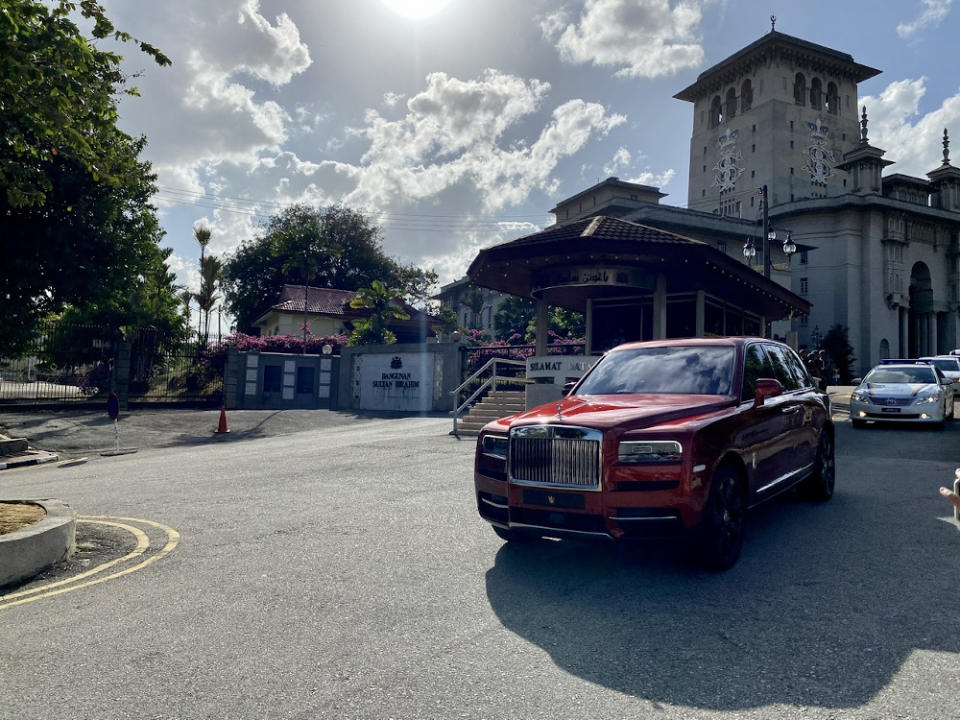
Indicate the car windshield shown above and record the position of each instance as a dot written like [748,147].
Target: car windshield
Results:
[918,374]
[672,370]
[947,364]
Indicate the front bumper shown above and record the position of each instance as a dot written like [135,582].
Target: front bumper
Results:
[661,511]
[926,413]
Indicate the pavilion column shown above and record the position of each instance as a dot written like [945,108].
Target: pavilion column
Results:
[660,308]
[542,328]
[588,340]
[701,313]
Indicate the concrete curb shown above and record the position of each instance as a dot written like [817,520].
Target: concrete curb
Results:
[30,457]
[24,553]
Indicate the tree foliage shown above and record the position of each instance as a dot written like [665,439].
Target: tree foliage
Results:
[518,316]
[840,351]
[383,305]
[333,247]
[77,232]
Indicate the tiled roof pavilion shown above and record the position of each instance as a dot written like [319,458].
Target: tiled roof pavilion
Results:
[687,265]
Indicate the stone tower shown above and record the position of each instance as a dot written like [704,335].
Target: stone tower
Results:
[781,112]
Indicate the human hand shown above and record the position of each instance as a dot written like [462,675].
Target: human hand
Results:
[951,496]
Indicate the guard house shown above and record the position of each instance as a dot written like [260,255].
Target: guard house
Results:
[634,282]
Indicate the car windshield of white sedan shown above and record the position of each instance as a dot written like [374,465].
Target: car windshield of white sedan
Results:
[912,375]
[946,364]
[672,370]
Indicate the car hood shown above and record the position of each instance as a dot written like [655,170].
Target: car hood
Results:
[629,411]
[901,390]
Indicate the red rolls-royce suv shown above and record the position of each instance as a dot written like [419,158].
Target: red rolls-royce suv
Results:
[661,438]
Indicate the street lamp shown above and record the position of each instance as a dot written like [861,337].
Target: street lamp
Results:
[769,235]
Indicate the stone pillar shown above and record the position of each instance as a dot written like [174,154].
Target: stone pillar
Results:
[542,327]
[932,319]
[660,308]
[231,379]
[701,313]
[588,317]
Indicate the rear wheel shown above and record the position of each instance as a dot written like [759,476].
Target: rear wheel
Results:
[819,486]
[720,535]
[858,424]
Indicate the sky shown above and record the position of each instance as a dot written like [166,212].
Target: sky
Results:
[457,124]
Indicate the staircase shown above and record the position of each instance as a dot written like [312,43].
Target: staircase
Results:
[497,404]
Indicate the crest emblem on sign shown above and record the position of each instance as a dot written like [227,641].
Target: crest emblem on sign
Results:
[396,363]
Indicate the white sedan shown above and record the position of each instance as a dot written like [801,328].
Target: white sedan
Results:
[908,393]
[950,366]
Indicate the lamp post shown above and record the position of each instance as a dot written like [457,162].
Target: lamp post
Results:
[769,235]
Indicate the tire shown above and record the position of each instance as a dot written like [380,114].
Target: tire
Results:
[819,486]
[858,424]
[719,537]
[512,536]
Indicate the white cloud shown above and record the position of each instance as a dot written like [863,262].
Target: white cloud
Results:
[648,177]
[913,141]
[621,159]
[452,135]
[453,265]
[272,53]
[934,12]
[643,38]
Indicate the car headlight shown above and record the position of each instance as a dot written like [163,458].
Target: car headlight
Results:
[649,452]
[495,445]
[861,395]
[927,397]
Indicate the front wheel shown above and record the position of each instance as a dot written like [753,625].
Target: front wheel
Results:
[858,424]
[819,486]
[720,534]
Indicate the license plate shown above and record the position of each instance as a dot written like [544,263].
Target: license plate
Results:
[890,410]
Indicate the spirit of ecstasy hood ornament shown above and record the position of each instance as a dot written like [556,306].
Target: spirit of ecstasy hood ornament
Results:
[559,410]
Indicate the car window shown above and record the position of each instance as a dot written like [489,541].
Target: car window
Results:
[781,368]
[797,368]
[949,364]
[912,375]
[692,370]
[756,365]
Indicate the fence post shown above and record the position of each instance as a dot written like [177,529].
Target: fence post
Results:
[121,373]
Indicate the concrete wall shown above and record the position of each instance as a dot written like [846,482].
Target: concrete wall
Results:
[280,381]
[399,378]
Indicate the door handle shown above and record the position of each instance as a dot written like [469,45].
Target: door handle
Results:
[791,410]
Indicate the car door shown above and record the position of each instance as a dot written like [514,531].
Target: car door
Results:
[810,419]
[760,437]
[792,456]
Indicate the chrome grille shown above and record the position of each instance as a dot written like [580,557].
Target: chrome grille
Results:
[892,401]
[555,455]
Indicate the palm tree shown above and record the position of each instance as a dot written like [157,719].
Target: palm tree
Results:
[210,271]
[202,234]
[384,305]
[474,302]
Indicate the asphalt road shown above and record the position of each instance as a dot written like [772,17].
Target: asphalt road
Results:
[343,573]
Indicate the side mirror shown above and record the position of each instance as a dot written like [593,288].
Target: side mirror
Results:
[766,387]
[567,387]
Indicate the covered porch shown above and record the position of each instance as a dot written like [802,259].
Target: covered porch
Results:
[634,282]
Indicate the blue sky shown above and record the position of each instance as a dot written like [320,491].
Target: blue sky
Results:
[462,127]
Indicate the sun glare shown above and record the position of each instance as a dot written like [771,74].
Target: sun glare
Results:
[415,8]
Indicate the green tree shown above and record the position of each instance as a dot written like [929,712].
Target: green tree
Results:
[202,235]
[211,269]
[57,95]
[840,352]
[76,226]
[383,305]
[513,316]
[474,302]
[333,247]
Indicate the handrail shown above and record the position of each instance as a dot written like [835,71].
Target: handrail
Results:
[488,383]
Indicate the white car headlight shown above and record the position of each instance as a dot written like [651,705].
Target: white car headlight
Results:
[927,397]
[495,445]
[649,452]
[861,395]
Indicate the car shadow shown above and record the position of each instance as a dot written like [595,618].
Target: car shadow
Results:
[824,606]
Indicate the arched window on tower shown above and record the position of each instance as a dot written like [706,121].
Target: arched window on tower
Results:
[716,112]
[816,94]
[746,95]
[799,89]
[730,107]
[833,100]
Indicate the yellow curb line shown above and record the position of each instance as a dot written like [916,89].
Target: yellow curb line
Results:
[173,539]
[143,542]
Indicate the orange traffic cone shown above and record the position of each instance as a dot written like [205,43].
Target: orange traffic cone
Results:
[222,427]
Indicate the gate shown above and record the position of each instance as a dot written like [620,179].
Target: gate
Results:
[81,364]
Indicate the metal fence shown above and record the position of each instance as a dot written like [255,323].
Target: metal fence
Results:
[75,364]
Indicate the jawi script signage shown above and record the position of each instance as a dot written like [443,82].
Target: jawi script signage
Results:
[400,381]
